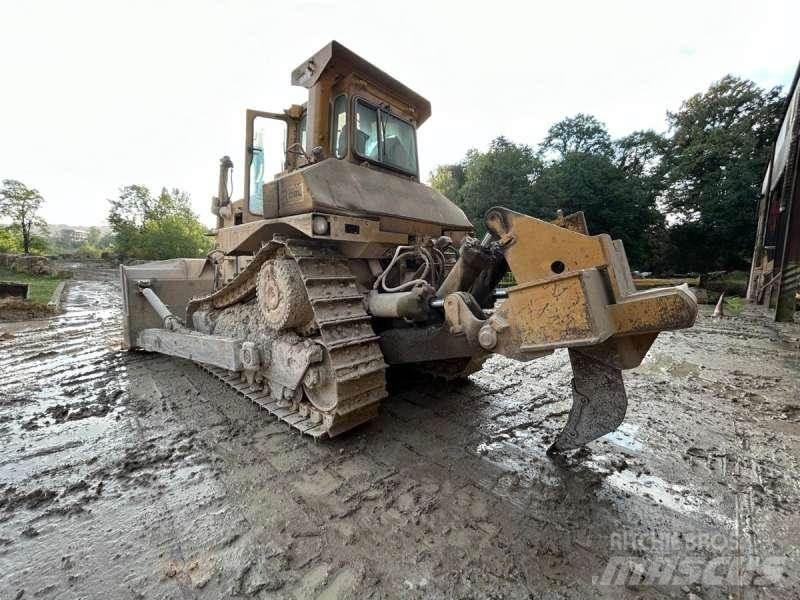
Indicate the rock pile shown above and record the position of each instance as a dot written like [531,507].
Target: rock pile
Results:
[26,263]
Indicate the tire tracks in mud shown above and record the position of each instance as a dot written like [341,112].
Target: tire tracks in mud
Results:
[59,371]
[409,505]
[758,463]
[746,535]
[45,347]
[166,511]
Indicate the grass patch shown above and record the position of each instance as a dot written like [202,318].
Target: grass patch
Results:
[646,283]
[640,283]
[737,276]
[41,287]
[734,305]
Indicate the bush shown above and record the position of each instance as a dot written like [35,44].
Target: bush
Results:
[146,227]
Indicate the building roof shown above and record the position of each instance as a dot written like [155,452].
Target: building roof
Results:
[784,139]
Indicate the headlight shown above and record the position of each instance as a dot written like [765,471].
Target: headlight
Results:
[320,225]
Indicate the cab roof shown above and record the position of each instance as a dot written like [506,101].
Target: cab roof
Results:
[336,56]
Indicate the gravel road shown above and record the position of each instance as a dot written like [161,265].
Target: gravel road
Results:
[141,476]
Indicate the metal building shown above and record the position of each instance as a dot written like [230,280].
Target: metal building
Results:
[775,272]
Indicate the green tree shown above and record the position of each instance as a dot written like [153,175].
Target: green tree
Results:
[10,240]
[501,176]
[448,179]
[96,243]
[616,184]
[613,202]
[719,151]
[682,202]
[581,133]
[174,235]
[161,227]
[21,204]
[93,236]
[641,154]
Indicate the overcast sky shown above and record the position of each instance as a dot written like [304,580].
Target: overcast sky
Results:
[96,95]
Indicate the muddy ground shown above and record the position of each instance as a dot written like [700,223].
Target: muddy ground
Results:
[140,476]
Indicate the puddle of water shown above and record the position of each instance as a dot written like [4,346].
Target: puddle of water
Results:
[66,443]
[625,437]
[530,463]
[674,497]
[665,364]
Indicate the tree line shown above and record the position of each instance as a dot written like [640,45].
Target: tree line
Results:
[681,201]
[143,226]
[147,226]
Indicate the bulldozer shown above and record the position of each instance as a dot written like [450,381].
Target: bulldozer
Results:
[345,264]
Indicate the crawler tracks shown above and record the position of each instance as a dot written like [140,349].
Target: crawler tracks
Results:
[290,415]
[352,378]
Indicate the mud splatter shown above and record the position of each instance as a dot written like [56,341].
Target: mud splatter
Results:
[135,475]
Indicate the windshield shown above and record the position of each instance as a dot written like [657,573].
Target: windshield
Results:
[384,138]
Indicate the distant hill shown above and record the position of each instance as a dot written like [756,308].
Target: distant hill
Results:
[55,229]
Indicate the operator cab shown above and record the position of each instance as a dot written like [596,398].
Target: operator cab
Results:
[350,150]
[355,112]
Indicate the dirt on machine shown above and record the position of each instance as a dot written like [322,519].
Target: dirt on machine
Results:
[345,265]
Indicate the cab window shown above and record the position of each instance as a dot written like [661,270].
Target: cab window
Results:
[339,122]
[302,128]
[268,136]
[367,131]
[399,143]
[383,138]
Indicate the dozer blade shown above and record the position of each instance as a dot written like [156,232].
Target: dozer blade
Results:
[599,402]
